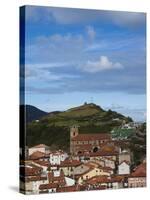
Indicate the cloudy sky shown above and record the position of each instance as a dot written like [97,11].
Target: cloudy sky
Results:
[74,55]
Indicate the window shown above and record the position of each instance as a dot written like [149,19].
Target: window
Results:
[95,149]
[79,152]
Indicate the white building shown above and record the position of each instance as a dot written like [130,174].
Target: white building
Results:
[57,157]
[124,168]
[126,126]
[124,155]
[110,163]
[41,148]
[69,181]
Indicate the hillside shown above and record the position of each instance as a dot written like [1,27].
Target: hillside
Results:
[53,129]
[32,113]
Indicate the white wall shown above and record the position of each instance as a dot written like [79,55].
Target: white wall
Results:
[123,168]
[32,150]
[57,158]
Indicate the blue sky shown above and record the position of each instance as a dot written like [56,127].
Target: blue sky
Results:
[75,55]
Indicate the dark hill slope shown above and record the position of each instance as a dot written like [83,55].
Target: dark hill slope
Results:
[32,113]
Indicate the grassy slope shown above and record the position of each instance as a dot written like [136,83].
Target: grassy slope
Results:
[53,129]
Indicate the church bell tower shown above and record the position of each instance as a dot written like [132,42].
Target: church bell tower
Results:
[74,131]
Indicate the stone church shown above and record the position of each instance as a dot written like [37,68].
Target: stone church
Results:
[80,143]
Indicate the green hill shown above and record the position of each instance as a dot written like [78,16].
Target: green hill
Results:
[53,129]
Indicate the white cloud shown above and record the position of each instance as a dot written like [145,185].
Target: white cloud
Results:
[45,65]
[42,71]
[91,32]
[102,64]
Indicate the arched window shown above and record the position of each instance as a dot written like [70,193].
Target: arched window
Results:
[95,149]
[79,152]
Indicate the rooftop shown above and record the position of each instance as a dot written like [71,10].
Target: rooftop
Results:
[87,137]
[48,186]
[30,171]
[99,153]
[140,171]
[70,163]
[40,146]
[35,178]
[37,155]
[68,189]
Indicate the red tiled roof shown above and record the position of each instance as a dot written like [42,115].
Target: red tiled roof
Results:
[100,187]
[40,146]
[58,152]
[140,171]
[70,163]
[106,168]
[35,178]
[30,171]
[117,178]
[87,137]
[98,179]
[48,186]
[37,155]
[57,179]
[100,153]
[124,161]
[68,189]
[105,179]
[42,163]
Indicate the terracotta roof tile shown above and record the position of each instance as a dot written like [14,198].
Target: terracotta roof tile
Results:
[100,136]
[40,146]
[68,189]
[100,153]
[124,161]
[57,179]
[37,155]
[35,178]
[98,179]
[105,179]
[140,171]
[30,171]
[70,163]
[48,186]
[42,163]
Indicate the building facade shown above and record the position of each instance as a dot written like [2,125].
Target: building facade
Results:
[80,143]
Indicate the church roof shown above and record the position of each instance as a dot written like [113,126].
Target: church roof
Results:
[99,136]
[99,153]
